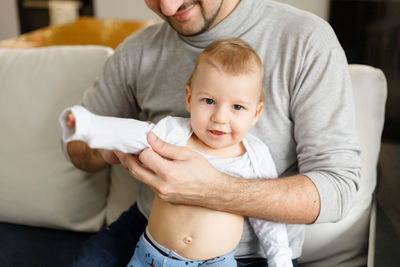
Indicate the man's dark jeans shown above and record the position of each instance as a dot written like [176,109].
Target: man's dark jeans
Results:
[115,245]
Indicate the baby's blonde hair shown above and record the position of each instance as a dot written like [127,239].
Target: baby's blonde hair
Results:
[233,56]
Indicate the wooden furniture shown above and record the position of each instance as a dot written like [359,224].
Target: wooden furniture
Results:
[84,31]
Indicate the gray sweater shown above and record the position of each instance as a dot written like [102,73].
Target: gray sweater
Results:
[308,118]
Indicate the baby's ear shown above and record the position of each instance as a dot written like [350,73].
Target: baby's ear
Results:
[188,97]
[257,113]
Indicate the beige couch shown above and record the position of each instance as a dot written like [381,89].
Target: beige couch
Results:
[39,187]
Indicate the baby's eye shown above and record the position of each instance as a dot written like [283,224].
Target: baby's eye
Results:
[237,107]
[208,101]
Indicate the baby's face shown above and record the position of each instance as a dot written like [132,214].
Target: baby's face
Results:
[223,107]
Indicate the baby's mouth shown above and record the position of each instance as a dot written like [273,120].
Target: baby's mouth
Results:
[215,132]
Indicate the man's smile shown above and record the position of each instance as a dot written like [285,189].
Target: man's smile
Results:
[183,13]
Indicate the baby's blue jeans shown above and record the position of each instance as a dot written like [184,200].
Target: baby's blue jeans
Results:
[147,254]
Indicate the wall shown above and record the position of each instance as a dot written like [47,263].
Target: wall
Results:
[8,19]
[318,7]
[123,9]
[137,9]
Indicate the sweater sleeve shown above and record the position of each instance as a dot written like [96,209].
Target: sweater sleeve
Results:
[125,135]
[114,92]
[322,109]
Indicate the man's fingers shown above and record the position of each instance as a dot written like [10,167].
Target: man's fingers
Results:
[166,150]
[136,168]
[126,160]
[155,162]
[109,156]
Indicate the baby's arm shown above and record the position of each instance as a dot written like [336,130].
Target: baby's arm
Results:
[70,121]
[125,135]
[272,236]
[274,240]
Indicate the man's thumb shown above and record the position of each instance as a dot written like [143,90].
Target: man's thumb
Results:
[164,149]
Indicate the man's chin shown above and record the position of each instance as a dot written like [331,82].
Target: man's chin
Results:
[187,31]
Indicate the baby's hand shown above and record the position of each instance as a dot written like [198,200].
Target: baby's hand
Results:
[71,120]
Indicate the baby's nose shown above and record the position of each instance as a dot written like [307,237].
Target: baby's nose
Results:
[220,115]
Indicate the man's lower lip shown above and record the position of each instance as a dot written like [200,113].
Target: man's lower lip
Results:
[182,15]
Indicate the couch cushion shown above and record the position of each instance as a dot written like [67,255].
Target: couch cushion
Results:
[345,243]
[38,185]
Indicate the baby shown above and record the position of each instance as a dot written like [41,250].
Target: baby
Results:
[225,97]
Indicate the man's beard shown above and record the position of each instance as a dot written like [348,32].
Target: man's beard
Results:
[207,20]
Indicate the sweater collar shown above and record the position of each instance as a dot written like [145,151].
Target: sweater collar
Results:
[234,25]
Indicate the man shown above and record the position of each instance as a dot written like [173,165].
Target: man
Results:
[308,122]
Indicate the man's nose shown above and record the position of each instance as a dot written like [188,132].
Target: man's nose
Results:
[169,7]
[220,115]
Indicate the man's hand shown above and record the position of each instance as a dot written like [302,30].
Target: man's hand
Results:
[176,174]
[88,159]
[109,156]
[179,175]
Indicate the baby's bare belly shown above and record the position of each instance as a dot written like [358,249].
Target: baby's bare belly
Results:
[194,232]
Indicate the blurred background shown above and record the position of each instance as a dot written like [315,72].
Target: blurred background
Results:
[369,31]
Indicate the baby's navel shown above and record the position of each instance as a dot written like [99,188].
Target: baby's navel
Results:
[188,240]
